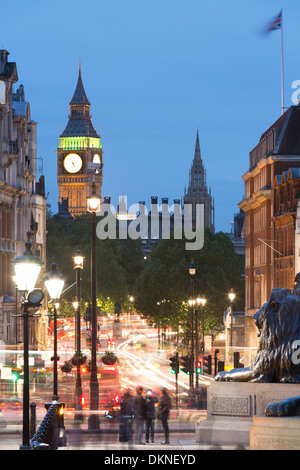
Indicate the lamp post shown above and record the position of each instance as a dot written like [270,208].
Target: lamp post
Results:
[131,299]
[27,269]
[93,205]
[54,282]
[200,301]
[192,272]
[78,266]
[231,296]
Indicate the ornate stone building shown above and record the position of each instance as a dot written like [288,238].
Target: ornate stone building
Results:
[286,196]
[270,206]
[197,192]
[78,148]
[22,199]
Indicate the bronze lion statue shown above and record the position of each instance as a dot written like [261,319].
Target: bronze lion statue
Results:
[278,355]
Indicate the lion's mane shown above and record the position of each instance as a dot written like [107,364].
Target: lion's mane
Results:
[278,322]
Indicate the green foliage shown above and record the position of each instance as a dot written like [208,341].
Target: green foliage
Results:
[119,262]
[164,287]
[161,286]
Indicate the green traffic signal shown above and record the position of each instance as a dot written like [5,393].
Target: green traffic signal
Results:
[15,374]
[199,367]
[174,364]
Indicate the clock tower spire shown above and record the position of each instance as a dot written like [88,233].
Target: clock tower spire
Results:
[79,154]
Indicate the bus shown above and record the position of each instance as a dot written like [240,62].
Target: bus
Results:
[109,387]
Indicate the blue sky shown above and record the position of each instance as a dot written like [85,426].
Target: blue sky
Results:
[154,73]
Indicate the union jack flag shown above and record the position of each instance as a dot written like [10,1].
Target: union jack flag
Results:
[275,24]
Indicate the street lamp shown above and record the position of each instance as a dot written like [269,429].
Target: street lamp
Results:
[192,272]
[54,282]
[192,268]
[78,266]
[27,268]
[201,301]
[231,296]
[131,299]
[93,206]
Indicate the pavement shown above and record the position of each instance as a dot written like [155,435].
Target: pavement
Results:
[182,439]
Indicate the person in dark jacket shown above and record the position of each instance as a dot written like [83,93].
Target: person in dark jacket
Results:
[127,414]
[163,414]
[140,414]
[151,414]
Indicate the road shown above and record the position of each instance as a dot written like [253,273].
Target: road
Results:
[141,363]
[150,367]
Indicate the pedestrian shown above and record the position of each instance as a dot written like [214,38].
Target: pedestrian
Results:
[140,414]
[163,414]
[151,414]
[127,414]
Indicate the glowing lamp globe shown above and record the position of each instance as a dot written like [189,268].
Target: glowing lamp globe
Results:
[54,282]
[26,268]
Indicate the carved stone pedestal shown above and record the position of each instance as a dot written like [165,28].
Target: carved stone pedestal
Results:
[231,407]
[275,433]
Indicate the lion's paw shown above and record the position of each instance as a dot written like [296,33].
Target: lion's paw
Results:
[222,376]
[284,408]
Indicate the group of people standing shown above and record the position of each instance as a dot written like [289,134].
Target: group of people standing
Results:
[138,414]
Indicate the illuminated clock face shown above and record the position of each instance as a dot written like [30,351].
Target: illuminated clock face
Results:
[96,158]
[72,163]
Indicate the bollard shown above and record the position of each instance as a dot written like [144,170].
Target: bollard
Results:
[236,359]
[32,419]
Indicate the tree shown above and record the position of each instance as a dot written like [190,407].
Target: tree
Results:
[164,286]
[119,262]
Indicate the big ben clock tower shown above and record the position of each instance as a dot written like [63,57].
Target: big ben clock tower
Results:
[78,148]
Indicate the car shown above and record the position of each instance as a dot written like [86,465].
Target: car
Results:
[3,422]
[11,403]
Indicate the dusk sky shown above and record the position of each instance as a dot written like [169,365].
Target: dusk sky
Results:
[155,72]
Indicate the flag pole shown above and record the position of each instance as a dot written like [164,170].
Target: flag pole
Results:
[282,95]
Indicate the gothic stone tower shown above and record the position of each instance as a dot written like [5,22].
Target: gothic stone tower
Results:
[197,192]
[79,145]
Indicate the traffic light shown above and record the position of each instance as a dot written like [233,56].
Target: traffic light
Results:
[207,362]
[111,344]
[174,364]
[116,400]
[186,364]
[198,367]
[15,374]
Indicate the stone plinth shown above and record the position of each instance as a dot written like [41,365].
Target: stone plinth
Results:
[117,329]
[275,433]
[231,407]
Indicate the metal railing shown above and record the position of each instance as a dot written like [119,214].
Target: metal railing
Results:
[51,432]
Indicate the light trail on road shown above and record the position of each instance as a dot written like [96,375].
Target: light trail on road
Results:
[148,370]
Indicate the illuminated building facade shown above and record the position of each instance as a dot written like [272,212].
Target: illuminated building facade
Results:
[270,206]
[22,202]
